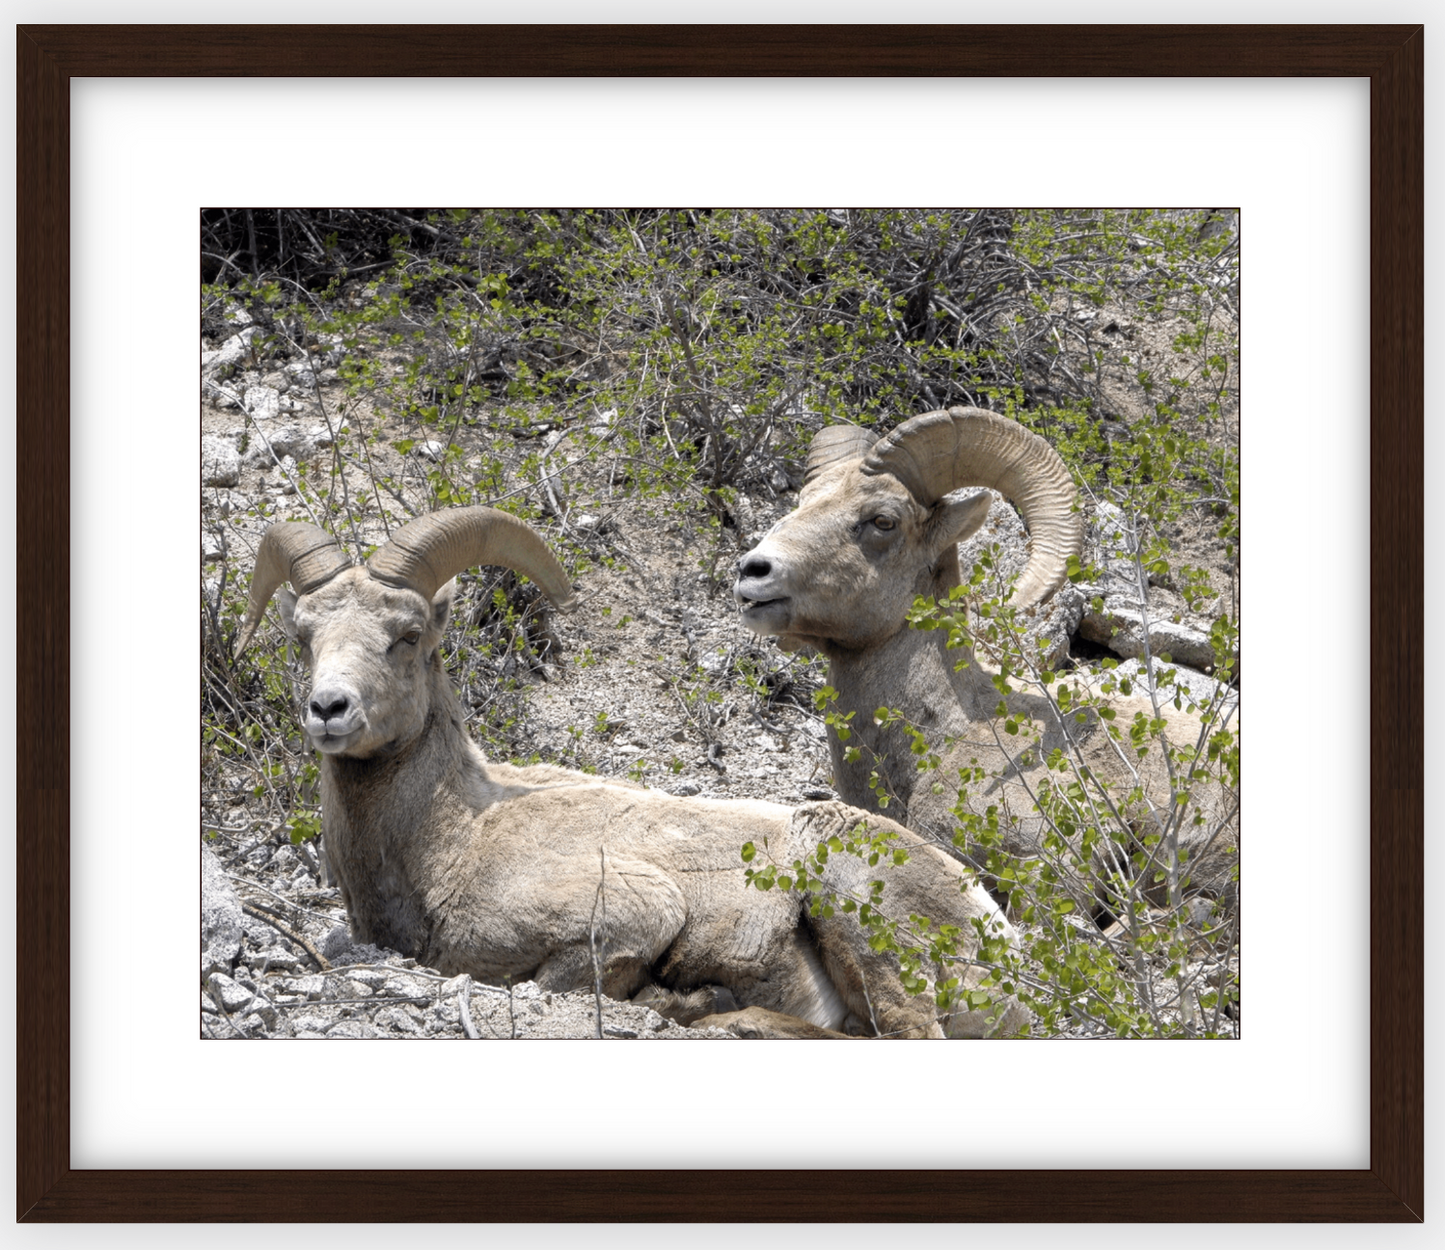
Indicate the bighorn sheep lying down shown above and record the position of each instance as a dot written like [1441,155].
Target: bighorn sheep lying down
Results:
[507,872]
[876,526]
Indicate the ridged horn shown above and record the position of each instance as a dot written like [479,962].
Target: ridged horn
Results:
[425,553]
[946,450]
[835,443]
[291,551]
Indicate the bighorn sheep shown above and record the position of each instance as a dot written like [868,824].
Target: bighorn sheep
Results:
[877,524]
[514,872]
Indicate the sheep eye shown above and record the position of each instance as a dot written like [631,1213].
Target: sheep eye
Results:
[884,522]
[411,637]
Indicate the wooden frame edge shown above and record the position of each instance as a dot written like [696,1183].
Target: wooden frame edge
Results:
[1392,1188]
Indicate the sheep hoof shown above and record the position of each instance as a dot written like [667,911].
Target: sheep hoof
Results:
[685,1008]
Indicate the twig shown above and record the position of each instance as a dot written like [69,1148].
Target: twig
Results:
[770,726]
[375,1000]
[464,996]
[548,480]
[601,896]
[256,885]
[411,972]
[265,913]
[868,998]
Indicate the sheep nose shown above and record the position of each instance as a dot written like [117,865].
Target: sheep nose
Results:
[327,705]
[754,567]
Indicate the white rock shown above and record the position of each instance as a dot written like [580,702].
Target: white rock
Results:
[220,916]
[713,662]
[353,1029]
[229,353]
[1054,623]
[233,996]
[432,450]
[313,987]
[262,402]
[396,1019]
[286,440]
[1200,685]
[1122,631]
[336,945]
[220,461]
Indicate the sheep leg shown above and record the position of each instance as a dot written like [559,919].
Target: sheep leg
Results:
[929,884]
[689,1006]
[611,928]
[573,969]
[868,981]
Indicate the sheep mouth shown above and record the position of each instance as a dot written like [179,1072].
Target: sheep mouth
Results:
[332,744]
[759,612]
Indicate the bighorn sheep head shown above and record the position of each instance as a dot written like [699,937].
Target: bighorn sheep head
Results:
[877,524]
[369,633]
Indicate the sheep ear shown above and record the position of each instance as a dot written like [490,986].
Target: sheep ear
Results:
[441,605]
[286,605]
[958,516]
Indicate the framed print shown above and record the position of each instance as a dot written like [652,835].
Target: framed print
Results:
[63,1177]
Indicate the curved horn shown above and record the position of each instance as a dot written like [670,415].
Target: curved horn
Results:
[425,553]
[943,451]
[835,443]
[291,551]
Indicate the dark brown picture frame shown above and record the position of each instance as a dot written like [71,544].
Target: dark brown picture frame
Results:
[1391,1188]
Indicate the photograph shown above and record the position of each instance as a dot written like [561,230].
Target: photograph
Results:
[720,623]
